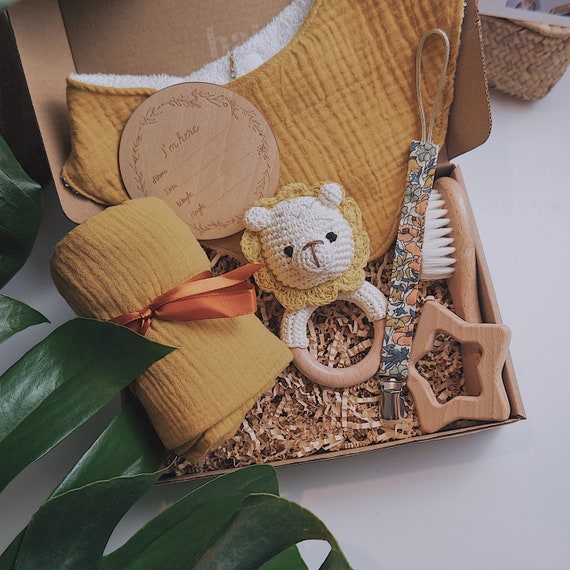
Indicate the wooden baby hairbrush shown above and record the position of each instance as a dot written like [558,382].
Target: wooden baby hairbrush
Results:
[462,280]
[457,264]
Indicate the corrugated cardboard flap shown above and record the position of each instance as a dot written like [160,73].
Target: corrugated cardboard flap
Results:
[71,41]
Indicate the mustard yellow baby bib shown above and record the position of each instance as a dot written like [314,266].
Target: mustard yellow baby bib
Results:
[340,98]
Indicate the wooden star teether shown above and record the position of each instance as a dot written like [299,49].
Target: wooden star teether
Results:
[314,249]
[492,340]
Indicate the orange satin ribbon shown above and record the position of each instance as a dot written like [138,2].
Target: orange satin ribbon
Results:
[201,297]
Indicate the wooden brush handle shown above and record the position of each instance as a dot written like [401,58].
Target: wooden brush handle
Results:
[463,282]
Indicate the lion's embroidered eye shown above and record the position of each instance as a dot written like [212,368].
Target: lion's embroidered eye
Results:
[288,251]
[331,236]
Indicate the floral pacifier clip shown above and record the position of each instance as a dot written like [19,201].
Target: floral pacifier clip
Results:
[401,313]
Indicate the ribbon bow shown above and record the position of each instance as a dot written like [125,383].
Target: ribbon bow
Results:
[201,297]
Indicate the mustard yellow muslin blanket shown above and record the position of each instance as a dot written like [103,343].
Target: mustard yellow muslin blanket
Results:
[340,98]
[123,258]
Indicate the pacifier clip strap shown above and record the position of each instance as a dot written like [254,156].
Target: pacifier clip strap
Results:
[401,315]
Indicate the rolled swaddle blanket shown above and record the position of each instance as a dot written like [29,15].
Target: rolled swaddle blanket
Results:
[119,261]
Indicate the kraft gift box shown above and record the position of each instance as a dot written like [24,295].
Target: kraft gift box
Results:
[144,38]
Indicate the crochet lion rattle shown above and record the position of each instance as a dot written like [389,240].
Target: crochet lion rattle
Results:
[313,246]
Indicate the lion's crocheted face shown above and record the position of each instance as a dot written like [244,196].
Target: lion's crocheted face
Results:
[311,241]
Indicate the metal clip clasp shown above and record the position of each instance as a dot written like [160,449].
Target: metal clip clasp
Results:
[393,401]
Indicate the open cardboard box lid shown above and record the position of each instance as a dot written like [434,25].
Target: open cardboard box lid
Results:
[55,38]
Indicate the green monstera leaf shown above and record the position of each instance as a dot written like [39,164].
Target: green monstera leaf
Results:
[16,316]
[62,382]
[277,525]
[21,207]
[210,527]
[181,535]
[71,529]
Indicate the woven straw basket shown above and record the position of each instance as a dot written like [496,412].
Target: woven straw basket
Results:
[524,59]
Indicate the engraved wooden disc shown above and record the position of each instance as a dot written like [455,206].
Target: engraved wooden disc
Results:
[205,150]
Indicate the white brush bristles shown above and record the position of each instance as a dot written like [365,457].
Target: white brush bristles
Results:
[437,251]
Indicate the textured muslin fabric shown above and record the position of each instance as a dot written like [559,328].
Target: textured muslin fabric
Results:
[196,397]
[97,116]
[340,98]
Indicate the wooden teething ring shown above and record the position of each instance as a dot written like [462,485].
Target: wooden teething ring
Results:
[342,377]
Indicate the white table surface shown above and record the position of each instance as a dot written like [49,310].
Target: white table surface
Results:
[495,500]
